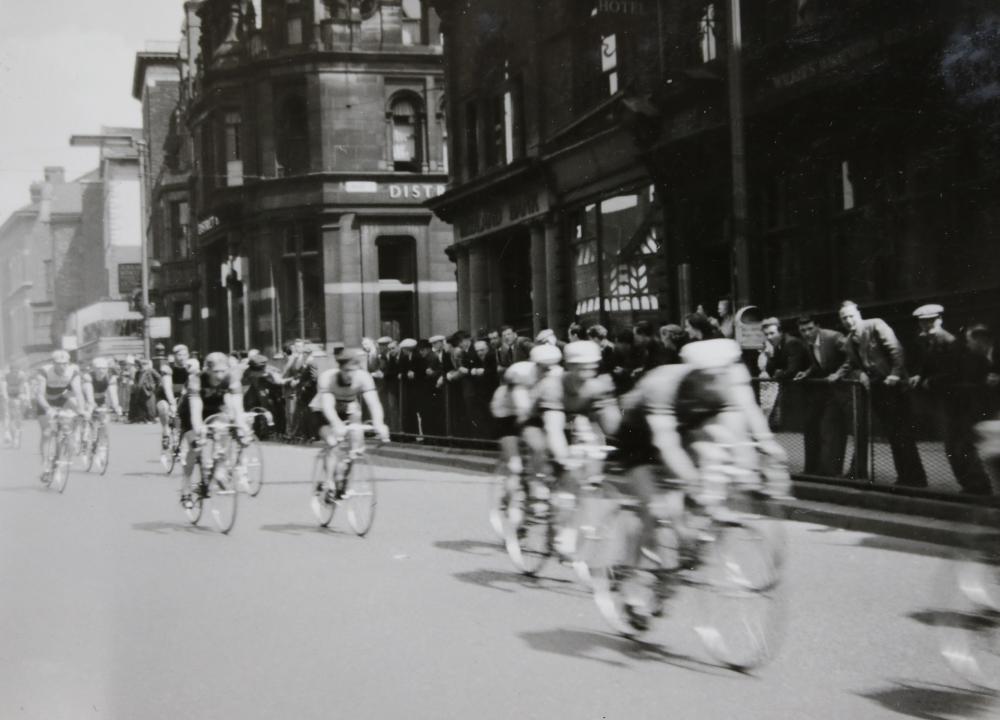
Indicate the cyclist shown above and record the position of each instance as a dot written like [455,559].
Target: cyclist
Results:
[174,375]
[99,386]
[15,395]
[58,387]
[337,401]
[213,391]
[681,421]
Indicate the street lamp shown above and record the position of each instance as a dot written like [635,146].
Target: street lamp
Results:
[141,147]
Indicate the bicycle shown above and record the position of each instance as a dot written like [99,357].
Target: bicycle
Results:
[546,519]
[58,450]
[249,462]
[969,629]
[174,451]
[736,559]
[96,445]
[218,487]
[342,475]
[15,419]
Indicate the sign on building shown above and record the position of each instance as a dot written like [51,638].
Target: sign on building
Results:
[159,328]
[749,333]
[129,278]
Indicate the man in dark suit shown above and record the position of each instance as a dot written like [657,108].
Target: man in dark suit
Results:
[507,350]
[786,357]
[937,376]
[409,369]
[875,357]
[826,418]
[437,366]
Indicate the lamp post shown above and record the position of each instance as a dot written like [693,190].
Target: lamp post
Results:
[740,250]
[141,147]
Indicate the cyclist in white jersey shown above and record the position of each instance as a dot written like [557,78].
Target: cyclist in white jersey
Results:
[338,395]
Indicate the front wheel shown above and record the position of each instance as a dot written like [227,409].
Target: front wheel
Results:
[744,613]
[359,496]
[223,495]
[63,460]
[321,482]
[529,532]
[499,499]
[102,450]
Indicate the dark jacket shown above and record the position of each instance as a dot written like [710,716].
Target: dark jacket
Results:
[874,350]
[789,359]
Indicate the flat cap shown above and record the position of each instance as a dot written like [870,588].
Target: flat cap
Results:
[928,312]
[704,354]
[407,344]
[384,340]
[544,335]
[436,339]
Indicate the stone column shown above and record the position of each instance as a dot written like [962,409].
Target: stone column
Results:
[462,278]
[555,281]
[479,287]
[539,279]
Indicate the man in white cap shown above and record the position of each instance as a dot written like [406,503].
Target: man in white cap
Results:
[408,368]
[682,420]
[938,375]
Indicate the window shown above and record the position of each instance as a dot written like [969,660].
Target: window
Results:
[443,121]
[707,33]
[858,181]
[50,286]
[292,131]
[294,31]
[413,23]
[609,62]
[301,292]
[232,147]
[42,329]
[406,135]
[178,223]
[397,259]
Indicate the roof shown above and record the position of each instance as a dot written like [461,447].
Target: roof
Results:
[67,198]
[144,60]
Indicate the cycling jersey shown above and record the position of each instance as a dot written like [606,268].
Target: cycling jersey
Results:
[567,393]
[179,376]
[213,395]
[100,386]
[345,394]
[58,388]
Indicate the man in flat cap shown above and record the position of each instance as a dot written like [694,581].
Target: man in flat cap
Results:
[388,384]
[939,379]
[409,367]
[437,366]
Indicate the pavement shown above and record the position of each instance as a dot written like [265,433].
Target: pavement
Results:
[113,606]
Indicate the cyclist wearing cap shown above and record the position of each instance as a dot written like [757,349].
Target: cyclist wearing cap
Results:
[511,406]
[174,376]
[58,387]
[337,400]
[99,386]
[214,391]
[682,420]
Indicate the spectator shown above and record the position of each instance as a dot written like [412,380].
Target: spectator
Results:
[938,375]
[460,345]
[651,352]
[387,382]
[144,393]
[697,326]
[126,383]
[622,373]
[547,337]
[506,352]
[479,387]
[726,323]
[826,418]
[599,335]
[437,365]
[575,332]
[981,369]
[262,388]
[786,355]
[410,369]
[672,336]
[875,357]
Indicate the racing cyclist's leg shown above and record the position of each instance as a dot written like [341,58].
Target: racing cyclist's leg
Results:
[163,412]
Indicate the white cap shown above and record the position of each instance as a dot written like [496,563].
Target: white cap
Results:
[546,354]
[705,354]
[582,352]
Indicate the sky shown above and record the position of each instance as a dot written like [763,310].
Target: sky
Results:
[66,68]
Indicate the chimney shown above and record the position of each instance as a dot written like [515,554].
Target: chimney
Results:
[55,175]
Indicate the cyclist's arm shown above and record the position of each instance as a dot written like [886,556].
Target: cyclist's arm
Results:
[328,406]
[167,383]
[667,442]
[375,409]
[113,396]
[234,404]
[89,404]
[76,385]
[756,421]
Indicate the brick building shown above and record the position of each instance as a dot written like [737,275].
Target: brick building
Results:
[316,132]
[592,173]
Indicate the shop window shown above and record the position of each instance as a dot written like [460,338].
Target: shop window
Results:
[42,329]
[301,292]
[50,287]
[405,114]
[397,261]
[292,131]
[708,34]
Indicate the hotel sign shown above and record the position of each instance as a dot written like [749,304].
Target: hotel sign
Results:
[621,7]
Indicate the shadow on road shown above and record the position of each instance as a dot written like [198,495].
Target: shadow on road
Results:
[301,529]
[933,702]
[25,488]
[470,547]
[164,528]
[509,581]
[589,645]
[912,547]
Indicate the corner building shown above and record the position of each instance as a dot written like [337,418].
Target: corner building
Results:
[318,133]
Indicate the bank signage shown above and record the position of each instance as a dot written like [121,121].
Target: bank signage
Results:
[500,213]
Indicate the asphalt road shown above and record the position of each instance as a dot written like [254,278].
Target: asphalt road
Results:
[112,606]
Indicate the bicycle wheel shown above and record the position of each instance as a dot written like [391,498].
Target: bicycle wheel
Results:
[223,496]
[498,501]
[102,450]
[359,496]
[322,480]
[970,634]
[630,592]
[172,455]
[194,512]
[49,447]
[744,613]
[85,446]
[249,468]
[63,460]
[528,535]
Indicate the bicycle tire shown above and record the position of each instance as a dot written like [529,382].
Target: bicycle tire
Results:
[49,447]
[529,532]
[251,459]
[320,481]
[63,461]
[85,448]
[498,501]
[223,495]
[743,616]
[969,632]
[102,450]
[360,497]
[173,452]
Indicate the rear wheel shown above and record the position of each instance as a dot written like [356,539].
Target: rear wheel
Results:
[322,480]
[528,532]
[63,460]
[85,443]
[102,450]
[498,499]
[223,495]
[172,455]
[359,496]
[744,612]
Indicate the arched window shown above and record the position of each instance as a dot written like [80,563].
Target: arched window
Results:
[407,135]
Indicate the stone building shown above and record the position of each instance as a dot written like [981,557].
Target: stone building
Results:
[592,172]
[316,132]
